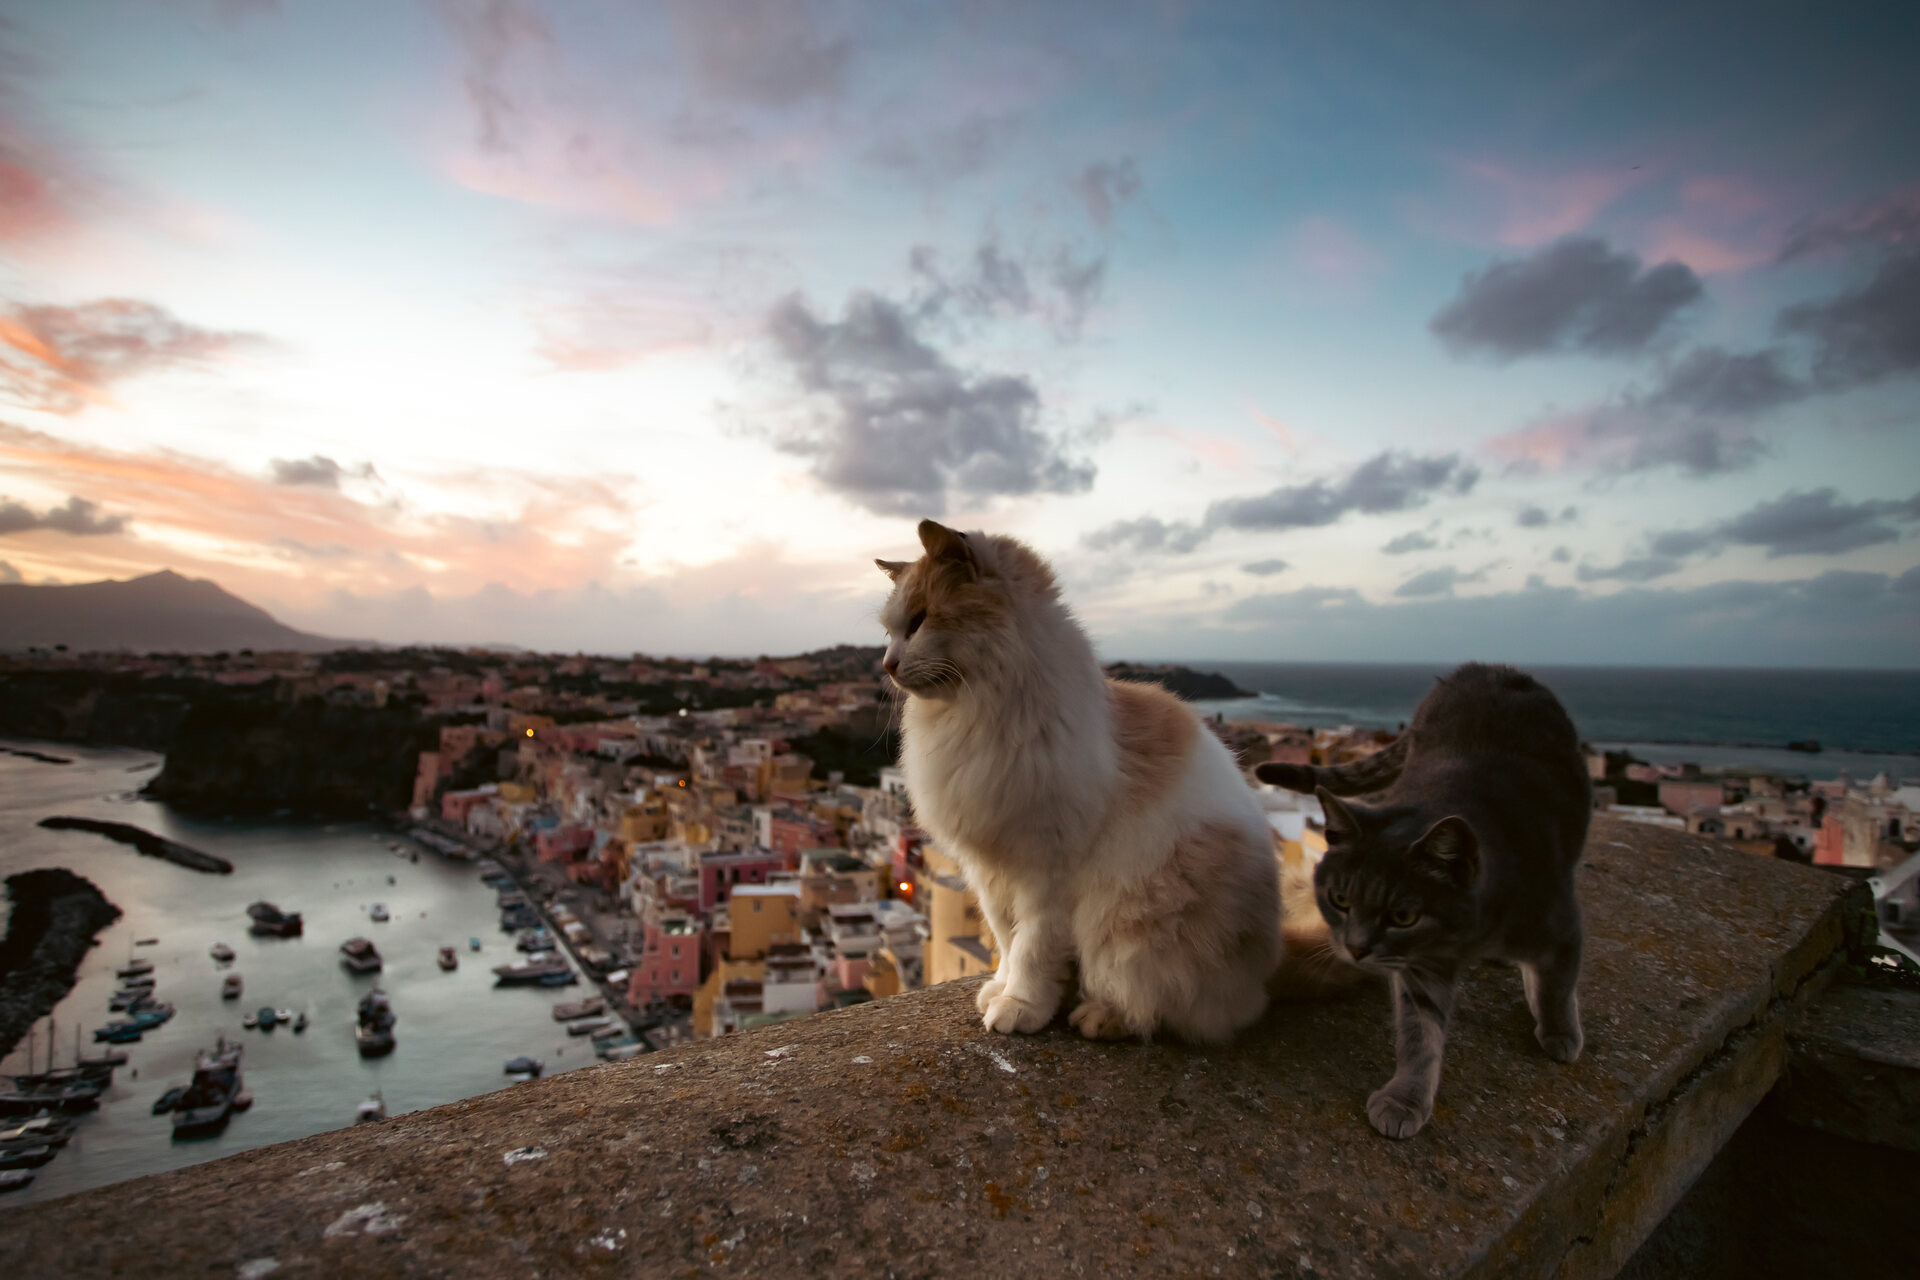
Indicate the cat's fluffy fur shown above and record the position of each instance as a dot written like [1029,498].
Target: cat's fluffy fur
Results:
[1104,829]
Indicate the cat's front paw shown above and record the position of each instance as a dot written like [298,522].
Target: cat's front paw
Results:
[1098,1020]
[1395,1116]
[987,993]
[1561,1046]
[1008,1014]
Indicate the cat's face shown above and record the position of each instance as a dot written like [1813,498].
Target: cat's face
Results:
[1394,888]
[947,620]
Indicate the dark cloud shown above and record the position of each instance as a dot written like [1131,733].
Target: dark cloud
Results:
[1561,555]
[764,53]
[1437,582]
[1711,380]
[992,283]
[77,517]
[942,154]
[1818,524]
[61,359]
[1385,482]
[901,428]
[1146,533]
[1908,583]
[1415,541]
[1892,225]
[1681,542]
[319,470]
[1644,569]
[1105,186]
[1576,295]
[1532,518]
[1868,334]
[491,36]
[1264,568]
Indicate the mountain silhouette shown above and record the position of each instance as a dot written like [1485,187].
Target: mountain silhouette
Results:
[161,612]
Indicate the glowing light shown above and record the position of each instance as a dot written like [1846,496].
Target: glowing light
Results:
[529,733]
[905,887]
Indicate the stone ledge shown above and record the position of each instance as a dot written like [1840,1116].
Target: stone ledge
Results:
[897,1138]
[1855,1067]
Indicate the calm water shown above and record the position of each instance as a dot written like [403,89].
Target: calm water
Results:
[1868,720]
[455,1029]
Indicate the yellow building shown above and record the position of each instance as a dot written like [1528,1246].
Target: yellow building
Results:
[645,822]
[762,916]
[709,991]
[518,793]
[959,944]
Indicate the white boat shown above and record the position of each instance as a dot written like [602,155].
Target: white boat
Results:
[283,1015]
[221,951]
[589,1026]
[374,1108]
[230,987]
[378,911]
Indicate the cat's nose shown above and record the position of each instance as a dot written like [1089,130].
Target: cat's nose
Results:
[892,665]
[1360,950]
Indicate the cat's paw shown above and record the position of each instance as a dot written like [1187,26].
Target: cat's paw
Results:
[1098,1020]
[1562,1046]
[988,992]
[1008,1014]
[1394,1115]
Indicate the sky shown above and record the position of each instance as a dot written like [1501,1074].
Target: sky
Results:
[1582,333]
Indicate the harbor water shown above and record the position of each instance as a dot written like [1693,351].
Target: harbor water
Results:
[455,1029]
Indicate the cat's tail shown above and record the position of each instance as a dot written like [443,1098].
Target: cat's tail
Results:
[1373,773]
[1310,967]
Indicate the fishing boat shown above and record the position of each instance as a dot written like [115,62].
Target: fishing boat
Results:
[25,1157]
[373,1109]
[134,969]
[146,942]
[118,1033]
[249,1021]
[270,921]
[449,958]
[14,1179]
[144,982]
[221,951]
[536,969]
[207,1104]
[378,912]
[558,978]
[590,1026]
[525,1067]
[266,1017]
[536,940]
[109,1060]
[169,1100]
[621,1052]
[49,1129]
[230,987]
[81,1095]
[300,1023]
[360,955]
[579,1009]
[373,1030]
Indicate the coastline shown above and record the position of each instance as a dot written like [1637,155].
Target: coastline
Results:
[144,841]
[55,917]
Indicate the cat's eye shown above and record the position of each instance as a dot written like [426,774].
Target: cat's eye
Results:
[913,623]
[1337,900]
[1402,918]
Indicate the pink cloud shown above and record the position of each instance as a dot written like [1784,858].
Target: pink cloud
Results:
[64,358]
[1328,251]
[1533,208]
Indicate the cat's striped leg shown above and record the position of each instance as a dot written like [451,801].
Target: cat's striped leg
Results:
[1552,994]
[1422,1006]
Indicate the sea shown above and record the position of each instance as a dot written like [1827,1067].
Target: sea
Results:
[455,1030]
[1867,722]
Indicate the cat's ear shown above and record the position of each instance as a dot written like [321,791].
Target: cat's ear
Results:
[893,568]
[1342,826]
[943,543]
[1451,845]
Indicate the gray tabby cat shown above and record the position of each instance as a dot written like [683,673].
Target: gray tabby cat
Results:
[1468,853]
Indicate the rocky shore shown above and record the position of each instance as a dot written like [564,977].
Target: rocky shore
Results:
[1184,682]
[55,916]
[145,841]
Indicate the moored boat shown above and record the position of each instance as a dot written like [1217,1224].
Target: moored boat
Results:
[360,955]
[230,987]
[221,951]
[48,1129]
[134,969]
[591,1026]
[525,1066]
[449,958]
[169,1100]
[373,1030]
[378,912]
[249,1020]
[374,1108]
[579,1009]
[270,921]
[14,1179]
[266,1017]
[544,969]
[207,1104]
[300,1022]
[473,944]
[25,1157]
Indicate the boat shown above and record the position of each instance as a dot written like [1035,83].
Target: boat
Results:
[249,1021]
[169,1100]
[49,1130]
[449,958]
[146,942]
[134,969]
[81,1095]
[1809,746]
[473,944]
[230,987]
[266,1017]
[360,955]
[61,1076]
[207,1104]
[535,969]
[118,1033]
[270,921]
[243,1100]
[525,1066]
[109,1060]
[283,1015]
[126,1001]
[374,1108]
[221,951]
[373,1031]
[142,982]
[14,1179]
[25,1157]
[590,1026]
[579,1009]
[536,940]
[558,978]
[300,1023]
[621,1052]
[377,912]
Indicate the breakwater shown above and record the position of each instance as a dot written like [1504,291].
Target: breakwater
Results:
[145,841]
[55,915]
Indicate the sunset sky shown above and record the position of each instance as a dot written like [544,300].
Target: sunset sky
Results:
[1578,333]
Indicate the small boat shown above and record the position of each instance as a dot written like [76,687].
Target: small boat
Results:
[249,1020]
[266,1017]
[360,955]
[134,969]
[118,1033]
[270,921]
[449,958]
[535,969]
[378,912]
[230,987]
[590,1026]
[536,940]
[374,1108]
[207,1104]
[300,1023]
[129,1000]
[146,942]
[144,982]
[80,1096]
[169,1100]
[283,1015]
[221,951]
[373,1030]
[524,1066]
[579,1009]
[14,1179]
[47,1130]
[558,978]
[25,1157]
[106,1061]
[242,1100]
[473,944]
[621,1052]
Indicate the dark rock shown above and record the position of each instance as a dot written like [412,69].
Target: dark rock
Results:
[1194,686]
[55,915]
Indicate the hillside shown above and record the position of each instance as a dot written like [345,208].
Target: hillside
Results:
[162,612]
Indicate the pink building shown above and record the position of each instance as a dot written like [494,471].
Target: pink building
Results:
[720,872]
[455,805]
[670,962]
[791,832]
[1684,798]
[563,844]
[1830,845]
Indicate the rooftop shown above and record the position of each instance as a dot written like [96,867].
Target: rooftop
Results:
[899,1138]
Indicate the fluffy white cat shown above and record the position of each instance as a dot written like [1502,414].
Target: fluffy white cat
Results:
[1105,830]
